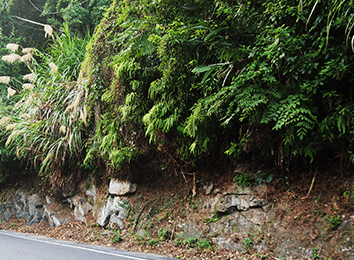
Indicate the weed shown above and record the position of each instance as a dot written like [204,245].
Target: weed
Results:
[153,242]
[163,233]
[244,179]
[266,177]
[315,253]
[177,242]
[348,194]
[215,217]
[32,191]
[204,243]
[116,238]
[140,239]
[12,225]
[334,221]
[247,243]
[190,241]
[124,205]
[287,181]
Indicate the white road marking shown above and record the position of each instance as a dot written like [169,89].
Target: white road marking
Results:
[72,246]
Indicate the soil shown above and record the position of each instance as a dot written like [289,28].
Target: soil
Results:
[302,198]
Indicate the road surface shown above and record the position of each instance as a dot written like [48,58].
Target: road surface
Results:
[18,246]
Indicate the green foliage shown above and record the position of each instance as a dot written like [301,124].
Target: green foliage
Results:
[152,242]
[273,79]
[204,243]
[315,254]
[163,233]
[215,217]
[334,221]
[245,180]
[269,78]
[46,124]
[247,243]
[79,15]
[177,242]
[117,238]
[190,241]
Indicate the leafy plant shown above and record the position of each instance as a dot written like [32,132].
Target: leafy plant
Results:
[334,221]
[117,238]
[46,124]
[315,253]
[245,180]
[11,225]
[204,243]
[190,83]
[247,243]
[177,242]
[163,233]
[152,242]
[190,241]
[215,217]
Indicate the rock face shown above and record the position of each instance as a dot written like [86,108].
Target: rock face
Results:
[238,218]
[112,213]
[239,211]
[81,205]
[7,211]
[117,187]
[23,206]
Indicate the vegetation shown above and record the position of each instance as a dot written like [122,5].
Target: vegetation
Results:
[198,79]
[267,79]
[45,125]
[23,21]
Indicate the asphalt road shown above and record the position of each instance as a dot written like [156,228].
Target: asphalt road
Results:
[17,246]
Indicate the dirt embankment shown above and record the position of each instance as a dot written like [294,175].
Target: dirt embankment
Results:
[303,215]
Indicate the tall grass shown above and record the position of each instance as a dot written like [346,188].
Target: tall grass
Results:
[50,117]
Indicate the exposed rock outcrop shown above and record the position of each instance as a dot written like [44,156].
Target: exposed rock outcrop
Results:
[117,187]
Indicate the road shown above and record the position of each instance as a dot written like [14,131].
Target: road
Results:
[18,246]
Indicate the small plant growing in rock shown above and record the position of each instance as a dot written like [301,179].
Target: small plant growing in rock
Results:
[177,242]
[334,221]
[152,242]
[163,233]
[140,239]
[315,254]
[124,205]
[244,179]
[204,243]
[247,243]
[215,217]
[190,241]
[116,238]
[12,225]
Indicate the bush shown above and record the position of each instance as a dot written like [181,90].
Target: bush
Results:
[269,78]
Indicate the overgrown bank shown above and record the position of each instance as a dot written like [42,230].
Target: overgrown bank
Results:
[200,83]
[173,88]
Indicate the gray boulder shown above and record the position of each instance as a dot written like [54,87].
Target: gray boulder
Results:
[117,187]
[112,213]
